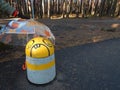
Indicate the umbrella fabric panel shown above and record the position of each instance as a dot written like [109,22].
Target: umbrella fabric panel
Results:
[19,27]
[14,39]
[29,27]
[18,32]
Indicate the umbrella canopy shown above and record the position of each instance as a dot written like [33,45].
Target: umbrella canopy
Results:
[20,31]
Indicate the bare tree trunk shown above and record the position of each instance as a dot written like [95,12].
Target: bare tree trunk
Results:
[113,7]
[102,6]
[82,7]
[93,7]
[60,7]
[52,6]
[23,7]
[96,8]
[26,5]
[40,9]
[85,7]
[64,8]
[55,7]
[68,8]
[48,13]
[57,3]
[117,11]
[77,8]
[43,8]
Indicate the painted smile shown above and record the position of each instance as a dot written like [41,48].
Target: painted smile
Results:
[38,46]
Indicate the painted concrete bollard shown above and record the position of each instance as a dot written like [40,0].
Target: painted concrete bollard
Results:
[40,60]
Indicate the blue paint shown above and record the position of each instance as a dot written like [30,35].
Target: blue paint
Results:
[41,76]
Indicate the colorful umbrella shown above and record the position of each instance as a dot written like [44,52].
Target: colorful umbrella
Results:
[20,31]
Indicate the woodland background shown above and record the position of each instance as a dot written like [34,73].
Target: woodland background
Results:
[67,8]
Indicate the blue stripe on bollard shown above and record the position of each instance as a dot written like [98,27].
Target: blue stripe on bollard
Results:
[42,70]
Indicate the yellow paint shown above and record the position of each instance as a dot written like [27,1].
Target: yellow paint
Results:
[39,47]
[41,66]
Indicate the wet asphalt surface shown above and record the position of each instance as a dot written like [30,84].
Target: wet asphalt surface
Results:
[94,66]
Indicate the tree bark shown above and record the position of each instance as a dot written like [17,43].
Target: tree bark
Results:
[48,13]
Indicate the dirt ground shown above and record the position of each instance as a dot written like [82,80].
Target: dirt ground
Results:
[71,32]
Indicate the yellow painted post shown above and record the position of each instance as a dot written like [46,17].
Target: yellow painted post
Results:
[40,60]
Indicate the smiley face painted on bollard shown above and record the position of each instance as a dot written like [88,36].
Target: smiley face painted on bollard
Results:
[39,47]
[40,60]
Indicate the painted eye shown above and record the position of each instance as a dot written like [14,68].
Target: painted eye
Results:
[36,46]
[30,45]
[48,43]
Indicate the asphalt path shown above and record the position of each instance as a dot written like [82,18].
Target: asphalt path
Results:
[94,66]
